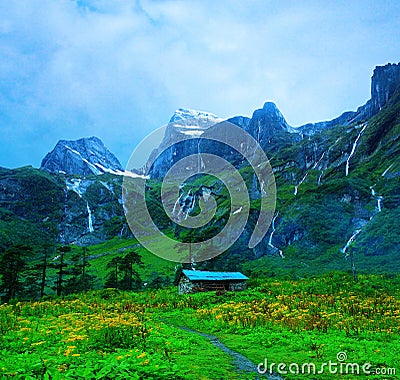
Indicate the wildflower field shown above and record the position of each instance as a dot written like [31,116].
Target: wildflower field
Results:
[110,334]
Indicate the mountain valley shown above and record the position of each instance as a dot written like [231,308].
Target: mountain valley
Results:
[337,206]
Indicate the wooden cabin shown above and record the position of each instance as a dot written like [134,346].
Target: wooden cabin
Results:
[191,281]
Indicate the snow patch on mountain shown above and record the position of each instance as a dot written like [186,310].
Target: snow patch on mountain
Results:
[192,122]
[85,156]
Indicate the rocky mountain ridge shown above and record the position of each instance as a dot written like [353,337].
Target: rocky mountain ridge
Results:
[337,181]
[85,156]
[267,125]
[384,82]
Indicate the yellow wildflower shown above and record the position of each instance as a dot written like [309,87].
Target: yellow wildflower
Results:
[38,343]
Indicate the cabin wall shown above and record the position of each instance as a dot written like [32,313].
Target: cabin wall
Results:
[238,286]
[185,286]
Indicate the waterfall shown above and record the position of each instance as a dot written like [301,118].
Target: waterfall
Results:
[352,238]
[200,163]
[191,207]
[90,221]
[177,203]
[385,172]
[273,230]
[319,178]
[238,210]
[316,164]
[379,199]
[183,207]
[272,234]
[353,149]
[302,180]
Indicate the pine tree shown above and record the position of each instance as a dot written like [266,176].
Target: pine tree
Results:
[12,265]
[61,265]
[80,280]
[42,267]
[156,281]
[131,279]
[112,280]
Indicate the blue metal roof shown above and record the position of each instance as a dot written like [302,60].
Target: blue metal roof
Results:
[199,275]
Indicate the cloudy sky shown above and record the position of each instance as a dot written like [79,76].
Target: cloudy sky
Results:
[118,69]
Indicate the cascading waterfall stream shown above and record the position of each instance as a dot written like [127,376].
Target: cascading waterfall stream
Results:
[258,132]
[323,155]
[353,149]
[352,238]
[386,171]
[122,230]
[379,200]
[90,220]
[297,187]
[272,234]
[183,206]
[75,186]
[200,163]
[316,164]
[177,204]
[191,207]
[319,178]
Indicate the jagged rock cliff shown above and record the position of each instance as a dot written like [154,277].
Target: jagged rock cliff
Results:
[184,130]
[384,81]
[318,169]
[338,185]
[267,125]
[270,129]
[85,156]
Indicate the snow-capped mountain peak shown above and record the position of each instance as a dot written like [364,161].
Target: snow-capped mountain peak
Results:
[187,115]
[84,157]
[192,122]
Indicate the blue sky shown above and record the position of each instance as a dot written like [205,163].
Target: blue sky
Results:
[118,69]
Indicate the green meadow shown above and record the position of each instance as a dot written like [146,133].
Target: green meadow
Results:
[152,334]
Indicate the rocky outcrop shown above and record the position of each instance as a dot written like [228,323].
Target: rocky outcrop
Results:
[267,125]
[85,156]
[270,129]
[60,208]
[385,81]
[185,129]
[330,185]
[240,121]
[311,129]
